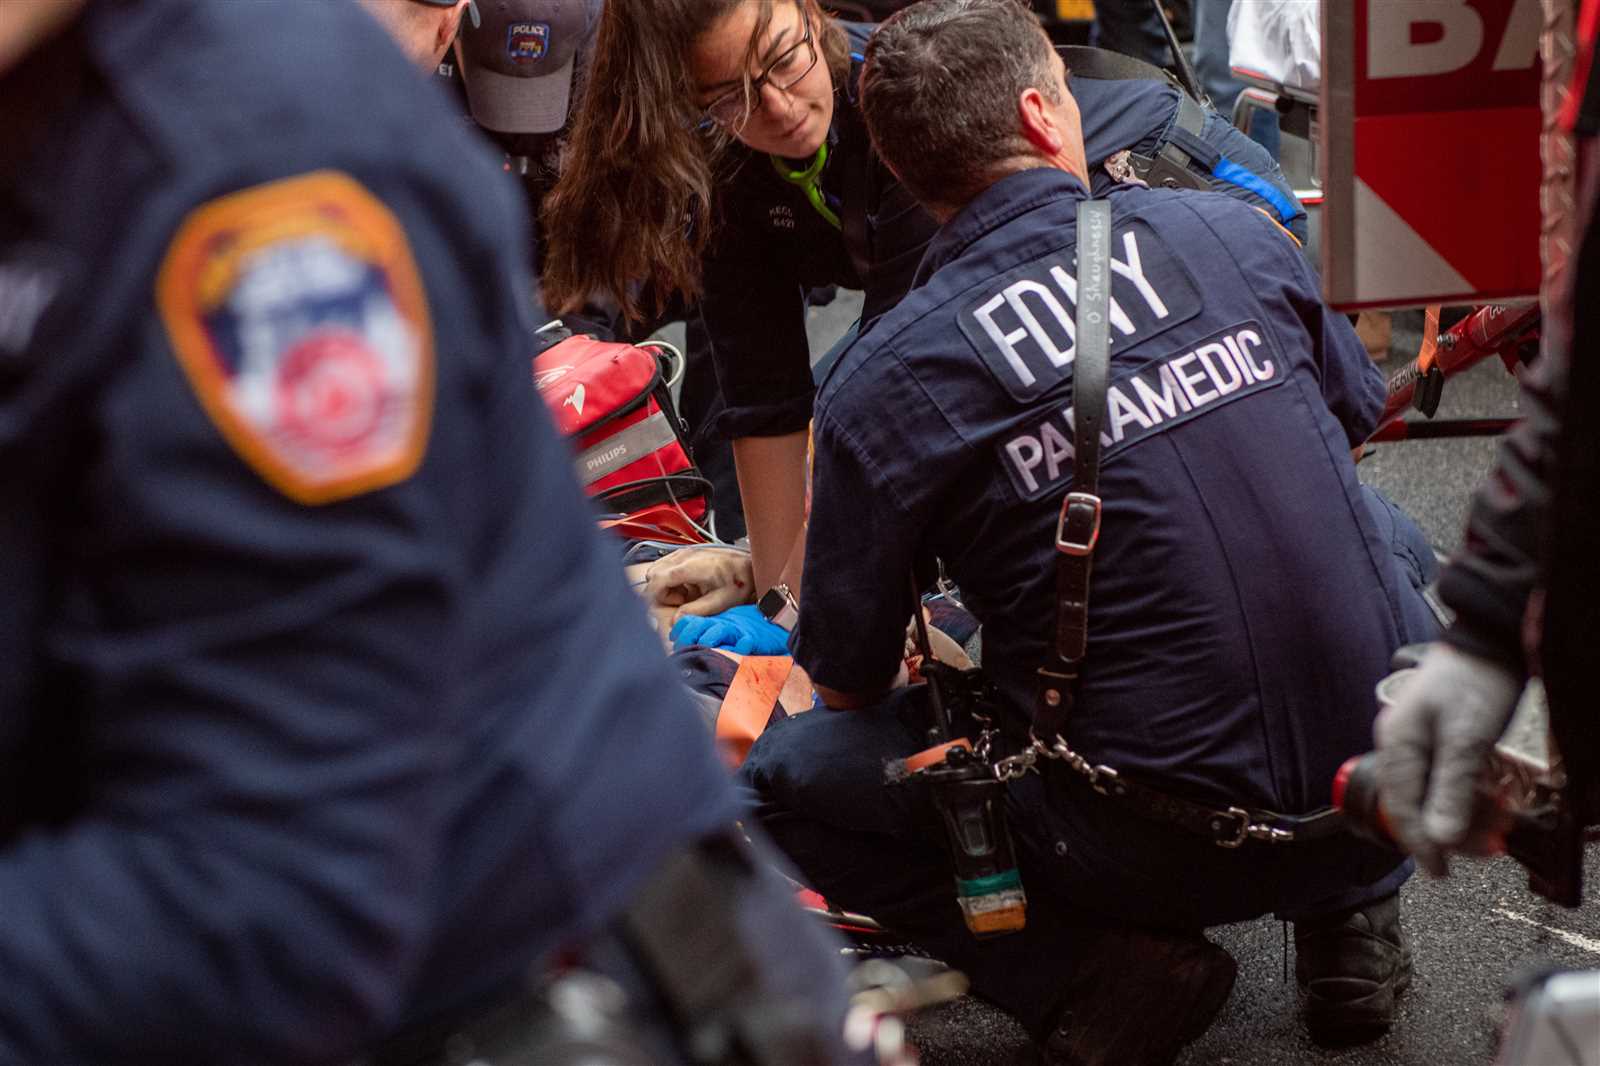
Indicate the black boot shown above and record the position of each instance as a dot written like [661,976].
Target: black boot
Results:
[1352,966]
[1138,997]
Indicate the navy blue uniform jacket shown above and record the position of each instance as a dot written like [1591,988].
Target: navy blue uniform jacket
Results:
[279,777]
[770,245]
[1243,603]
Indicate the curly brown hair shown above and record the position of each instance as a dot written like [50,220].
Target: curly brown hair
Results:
[631,211]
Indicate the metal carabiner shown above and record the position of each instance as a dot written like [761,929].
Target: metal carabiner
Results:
[1241,832]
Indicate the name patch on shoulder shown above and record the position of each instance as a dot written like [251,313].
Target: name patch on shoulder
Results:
[1023,323]
[1228,366]
[299,317]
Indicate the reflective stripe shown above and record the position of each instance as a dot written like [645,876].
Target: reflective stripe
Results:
[1234,174]
[1298,243]
[625,446]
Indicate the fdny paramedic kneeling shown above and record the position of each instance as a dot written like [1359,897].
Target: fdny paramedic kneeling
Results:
[289,772]
[1247,591]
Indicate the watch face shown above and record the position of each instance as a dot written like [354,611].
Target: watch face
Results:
[772,601]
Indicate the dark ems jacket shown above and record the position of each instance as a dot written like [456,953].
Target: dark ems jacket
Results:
[1243,602]
[323,709]
[770,246]
[1535,521]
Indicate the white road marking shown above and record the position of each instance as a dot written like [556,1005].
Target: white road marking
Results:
[1577,940]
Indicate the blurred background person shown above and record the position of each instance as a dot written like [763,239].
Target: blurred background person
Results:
[1133,28]
[1525,587]
[1212,67]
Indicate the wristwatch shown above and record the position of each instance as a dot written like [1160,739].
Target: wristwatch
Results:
[778,606]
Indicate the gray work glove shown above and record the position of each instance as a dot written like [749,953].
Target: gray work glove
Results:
[1433,744]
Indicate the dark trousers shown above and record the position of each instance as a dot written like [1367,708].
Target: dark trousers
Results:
[1216,76]
[817,784]
[1132,28]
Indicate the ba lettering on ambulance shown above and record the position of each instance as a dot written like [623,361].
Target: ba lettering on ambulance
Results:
[527,42]
[1022,325]
[296,310]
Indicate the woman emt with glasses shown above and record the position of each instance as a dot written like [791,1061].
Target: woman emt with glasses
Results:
[719,154]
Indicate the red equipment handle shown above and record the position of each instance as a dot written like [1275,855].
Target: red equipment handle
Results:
[1493,330]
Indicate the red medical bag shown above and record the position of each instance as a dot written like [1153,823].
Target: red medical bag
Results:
[613,404]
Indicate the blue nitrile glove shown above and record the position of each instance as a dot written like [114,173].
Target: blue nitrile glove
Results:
[739,629]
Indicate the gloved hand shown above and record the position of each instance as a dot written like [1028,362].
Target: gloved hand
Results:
[701,581]
[1432,745]
[742,630]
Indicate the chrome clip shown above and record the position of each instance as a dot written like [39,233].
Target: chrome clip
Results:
[1241,828]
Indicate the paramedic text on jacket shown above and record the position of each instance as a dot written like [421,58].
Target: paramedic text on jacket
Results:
[966,393]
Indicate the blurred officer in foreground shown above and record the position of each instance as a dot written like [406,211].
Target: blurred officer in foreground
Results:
[1525,586]
[289,772]
[1247,590]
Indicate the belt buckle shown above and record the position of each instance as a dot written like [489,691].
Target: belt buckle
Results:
[1072,511]
[1241,828]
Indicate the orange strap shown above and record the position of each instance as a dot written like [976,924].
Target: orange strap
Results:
[748,706]
[1430,339]
[661,521]
[1281,226]
[934,755]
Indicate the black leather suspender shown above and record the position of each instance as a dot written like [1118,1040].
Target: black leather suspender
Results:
[1077,531]
[1078,527]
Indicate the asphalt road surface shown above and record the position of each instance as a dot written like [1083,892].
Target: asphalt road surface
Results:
[1472,933]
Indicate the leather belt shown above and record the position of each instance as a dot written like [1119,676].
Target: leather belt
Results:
[1226,827]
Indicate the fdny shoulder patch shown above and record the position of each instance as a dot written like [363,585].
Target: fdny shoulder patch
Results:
[297,312]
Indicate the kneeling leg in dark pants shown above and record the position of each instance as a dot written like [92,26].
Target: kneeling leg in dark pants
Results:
[818,782]
[819,788]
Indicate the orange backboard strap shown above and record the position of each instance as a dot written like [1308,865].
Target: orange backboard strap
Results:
[748,706]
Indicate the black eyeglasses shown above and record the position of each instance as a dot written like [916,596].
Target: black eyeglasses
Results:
[731,109]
